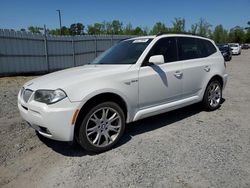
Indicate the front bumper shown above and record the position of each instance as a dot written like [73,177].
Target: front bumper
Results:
[235,52]
[52,121]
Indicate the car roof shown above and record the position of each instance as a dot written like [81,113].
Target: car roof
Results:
[168,35]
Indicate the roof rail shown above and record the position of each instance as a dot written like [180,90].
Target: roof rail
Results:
[161,33]
[185,33]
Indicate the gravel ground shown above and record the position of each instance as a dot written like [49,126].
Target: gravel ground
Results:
[184,148]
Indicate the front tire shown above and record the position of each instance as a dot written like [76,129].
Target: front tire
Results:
[102,127]
[213,95]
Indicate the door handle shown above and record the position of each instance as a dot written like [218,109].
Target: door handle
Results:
[178,74]
[207,68]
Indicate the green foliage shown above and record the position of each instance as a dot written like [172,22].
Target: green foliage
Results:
[220,35]
[178,25]
[194,28]
[76,29]
[116,27]
[159,27]
[33,29]
[237,34]
[203,28]
[96,29]
[65,31]
[247,36]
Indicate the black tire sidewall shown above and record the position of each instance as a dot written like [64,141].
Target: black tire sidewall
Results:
[205,98]
[83,140]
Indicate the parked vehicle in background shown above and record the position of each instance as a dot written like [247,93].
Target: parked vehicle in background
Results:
[226,51]
[236,49]
[245,46]
[135,79]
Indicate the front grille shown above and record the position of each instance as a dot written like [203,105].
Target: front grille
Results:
[26,94]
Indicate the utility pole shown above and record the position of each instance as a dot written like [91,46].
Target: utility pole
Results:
[60,20]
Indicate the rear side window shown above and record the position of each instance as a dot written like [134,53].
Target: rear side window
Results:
[209,47]
[166,47]
[187,48]
[192,48]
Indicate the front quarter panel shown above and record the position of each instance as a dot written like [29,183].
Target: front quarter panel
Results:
[123,83]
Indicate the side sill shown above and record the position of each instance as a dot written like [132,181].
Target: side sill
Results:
[165,108]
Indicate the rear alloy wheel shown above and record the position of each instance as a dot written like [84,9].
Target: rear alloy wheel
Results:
[213,96]
[102,127]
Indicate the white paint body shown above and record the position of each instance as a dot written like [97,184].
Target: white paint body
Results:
[236,48]
[147,90]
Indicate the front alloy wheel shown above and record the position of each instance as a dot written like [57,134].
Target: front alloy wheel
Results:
[102,127]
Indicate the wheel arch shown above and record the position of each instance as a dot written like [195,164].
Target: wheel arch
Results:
[218,78]
[214,77]
[97,99]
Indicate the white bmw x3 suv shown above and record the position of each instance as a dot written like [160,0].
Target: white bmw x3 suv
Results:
[135,79]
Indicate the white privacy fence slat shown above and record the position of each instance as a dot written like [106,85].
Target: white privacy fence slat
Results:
[23,52]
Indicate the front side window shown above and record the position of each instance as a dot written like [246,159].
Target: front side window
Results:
[125,52]
[166,47]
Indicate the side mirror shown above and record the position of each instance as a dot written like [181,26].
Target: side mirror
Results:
[156,59]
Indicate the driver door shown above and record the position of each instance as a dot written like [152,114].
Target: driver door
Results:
[161,84]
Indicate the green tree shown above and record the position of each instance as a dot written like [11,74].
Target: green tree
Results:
[203,28]
[220,35]
[128,30]
[116,27]
[138,31]
[194,29]
[34,29]
[96,29]
[65,31]
[247,35]
[159,28]
[107,28]
[178,25]
[76,29]
[237,35]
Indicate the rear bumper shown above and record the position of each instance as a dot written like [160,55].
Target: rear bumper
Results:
[225,78]
[52,121]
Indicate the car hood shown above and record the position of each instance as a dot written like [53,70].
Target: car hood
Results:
[235,48]
[62,79]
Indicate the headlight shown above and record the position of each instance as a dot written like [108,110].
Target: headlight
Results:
[49,96]
[224,53]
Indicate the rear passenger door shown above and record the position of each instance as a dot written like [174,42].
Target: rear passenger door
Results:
[193,55]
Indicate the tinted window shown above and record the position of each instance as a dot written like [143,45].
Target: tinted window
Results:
[192,48]
[166,47]
[125,52]
[202,50]
[187,48]
[209,47]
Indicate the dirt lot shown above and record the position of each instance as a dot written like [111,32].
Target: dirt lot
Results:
[184,148]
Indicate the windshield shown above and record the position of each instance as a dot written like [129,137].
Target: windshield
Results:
[222,47]
[233,45]
[125,52]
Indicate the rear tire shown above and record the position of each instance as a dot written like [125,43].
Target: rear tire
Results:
[102,127]
[213,95]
